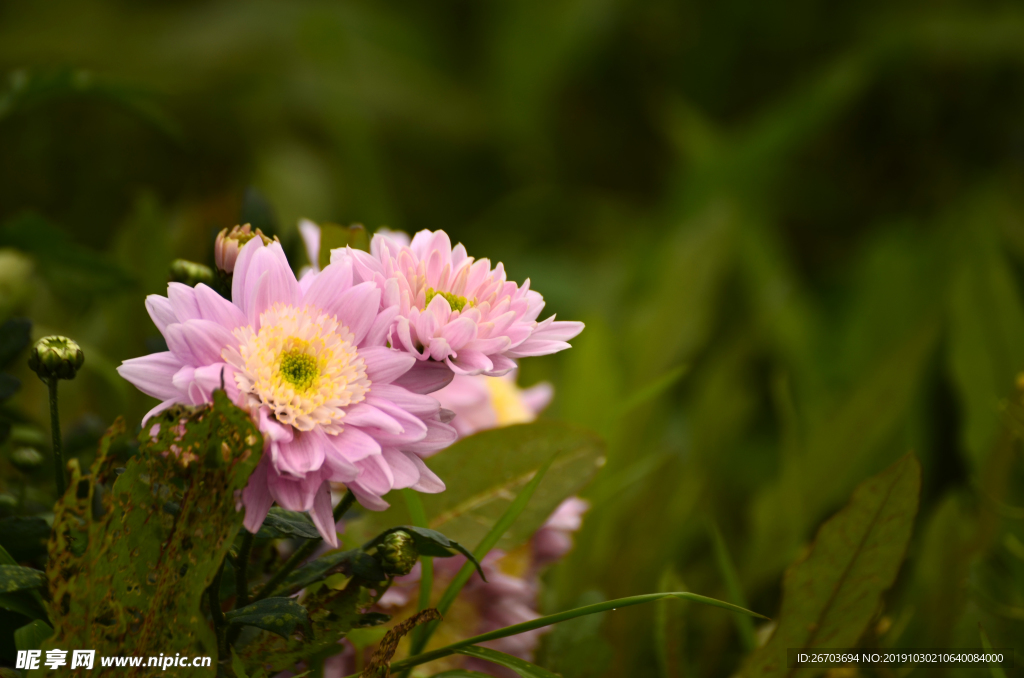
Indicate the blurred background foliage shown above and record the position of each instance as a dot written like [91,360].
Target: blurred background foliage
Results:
[795,232]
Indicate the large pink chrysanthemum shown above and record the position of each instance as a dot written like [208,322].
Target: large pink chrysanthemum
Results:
[455,309]
[310,361]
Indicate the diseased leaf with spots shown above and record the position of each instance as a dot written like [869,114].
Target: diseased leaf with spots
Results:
[126,576]
[277,615]
[332,614]
[830,595]
[486,471]
[16,578]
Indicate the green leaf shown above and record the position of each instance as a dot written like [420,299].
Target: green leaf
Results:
[996,669]
[24,537]
[16,578]
[430,543]
[15,335]
[520,666]
[550,619]
[134,575]
[353,562]
[830,595]
[237,666]
[460,673]
[281,523]
[744,626]
[277,615]
[478,493]
[31,636]
[23,603]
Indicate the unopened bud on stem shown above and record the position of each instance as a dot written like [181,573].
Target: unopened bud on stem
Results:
[398,553]
[190,273]
[225,251]
[56,357]
[26,459]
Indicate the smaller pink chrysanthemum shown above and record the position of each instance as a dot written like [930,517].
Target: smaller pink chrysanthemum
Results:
[480,402]
[454,309]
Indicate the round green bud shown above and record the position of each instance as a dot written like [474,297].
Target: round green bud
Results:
[398,553]
[56,357]
[26,459]
[190,273]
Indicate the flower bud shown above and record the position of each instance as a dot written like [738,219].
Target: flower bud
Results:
[398,553]
[225,251]
[26,459]
[56,357]
[190,273]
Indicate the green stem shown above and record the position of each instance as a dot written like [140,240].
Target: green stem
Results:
[303,552]
[58,458]
[242,570]
[219,623]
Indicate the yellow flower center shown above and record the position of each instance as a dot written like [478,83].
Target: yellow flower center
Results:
[456,302]
[301,364]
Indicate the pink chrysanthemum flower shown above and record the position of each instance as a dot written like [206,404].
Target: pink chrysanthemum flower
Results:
[454,309]
[481,402]
[310,361]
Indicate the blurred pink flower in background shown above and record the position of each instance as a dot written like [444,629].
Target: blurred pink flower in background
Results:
[310,362]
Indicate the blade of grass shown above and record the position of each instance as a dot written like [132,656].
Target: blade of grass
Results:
[997,670]
[744,625]
[419,519]
[486,544]
[561,617]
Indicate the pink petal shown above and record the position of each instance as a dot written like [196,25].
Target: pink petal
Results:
[214,307]
[501,366]
[364,415]
[425,377]
[161,311]
[183,301]
[271,282]
[414,403]
[470,362]
[459,332]
[366,498]
[305,453]
[439,436]
[535,347]
[256,497]
[272,429]
[199,342]
[240,283]
[377,335]
[356,308]
[310,233]
[428,482]
[160,408]
[153,374]
[293,494]
[412,427]
[323,515]
[384,365]
[326,287]
[405,472]
[375,475]
[351,445]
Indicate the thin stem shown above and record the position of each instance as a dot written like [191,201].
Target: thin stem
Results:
[242,570]
[303,552]
[58,458]
[219,623]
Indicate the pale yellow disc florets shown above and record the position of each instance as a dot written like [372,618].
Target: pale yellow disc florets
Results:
[301,364]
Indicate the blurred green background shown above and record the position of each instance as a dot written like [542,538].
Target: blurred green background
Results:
[800,225]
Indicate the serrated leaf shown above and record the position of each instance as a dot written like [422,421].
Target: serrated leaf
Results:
[15,335]
[277,615]
[353,562]
[520,666]
[283,523]
[830,595]
[31,636]
[17,578]
[479,493]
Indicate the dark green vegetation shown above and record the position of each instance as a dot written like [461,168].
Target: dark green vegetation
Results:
[795,231]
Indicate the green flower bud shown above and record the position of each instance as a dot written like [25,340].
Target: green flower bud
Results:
[56,357]
[398,553]
[26,459]
[190,273]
